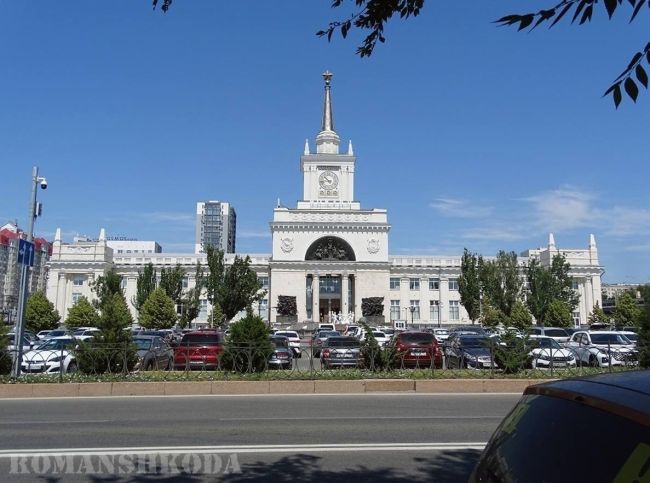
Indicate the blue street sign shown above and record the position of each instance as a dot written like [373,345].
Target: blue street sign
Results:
[26,253]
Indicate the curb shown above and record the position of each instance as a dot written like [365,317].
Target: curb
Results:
[358,386]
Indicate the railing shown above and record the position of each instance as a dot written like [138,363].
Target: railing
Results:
[312,361]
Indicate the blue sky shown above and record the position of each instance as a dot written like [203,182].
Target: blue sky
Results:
[471,135]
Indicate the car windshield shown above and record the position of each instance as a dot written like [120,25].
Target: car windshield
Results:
[473,341]
[441,332]
[328,333]
[555,333]
[616,339]
[291,335]
[548,343]
[280,341]
[342,342]
[56,333]
[632,337]
[79,332]
[379,334]
[421,337]
[55,344]
[142,344]
[201,339]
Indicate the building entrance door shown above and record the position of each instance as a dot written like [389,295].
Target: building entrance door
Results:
[329,298]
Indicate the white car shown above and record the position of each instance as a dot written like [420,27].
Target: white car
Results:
[558,333]
[441,335]
[381,338]
[602,348]
[294,340]
[549,353]
[631,336]
[51,357]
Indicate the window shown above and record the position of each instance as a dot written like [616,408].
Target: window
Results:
[123,282]
[185,282]
[264,309]
[415,309]
[76,296]
[576,318]
[265,282]
[394,310]
[575,284]
[78,280]
[394,283]
[434,284]
[434,310]
[414,283]
[203,313]
[453,284]
[454,310]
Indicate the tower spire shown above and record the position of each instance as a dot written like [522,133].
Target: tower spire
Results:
[327,140]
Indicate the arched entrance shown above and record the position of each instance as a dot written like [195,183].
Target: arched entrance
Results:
[330,289]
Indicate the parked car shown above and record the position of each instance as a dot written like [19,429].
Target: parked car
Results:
[557,333]
[469,351]
[81,331]
[56,333]
[318,340]
[417,349]
[631,336]
[547,353]
[43,333]
[340,351]
[153,353]
[325,326]
[352,330]
[282,356]
[441,335]
[602,348]
[199,350]
[382,339]
[294,340]
[468,329]
[572,422]
[12,347]
[51,357]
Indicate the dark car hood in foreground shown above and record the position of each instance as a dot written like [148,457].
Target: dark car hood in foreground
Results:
[476,351]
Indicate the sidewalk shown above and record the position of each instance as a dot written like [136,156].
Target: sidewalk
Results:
[431,386]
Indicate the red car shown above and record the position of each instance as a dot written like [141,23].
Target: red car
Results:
[417,349]
[199,350]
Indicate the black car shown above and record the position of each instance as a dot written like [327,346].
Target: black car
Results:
[154,353]
[590,429]
[282,356]
[469,351]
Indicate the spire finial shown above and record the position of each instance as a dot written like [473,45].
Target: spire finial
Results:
[327,140]
[327,75]
[328,118]
[551,241]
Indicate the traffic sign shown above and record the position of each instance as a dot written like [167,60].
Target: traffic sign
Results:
[26,253]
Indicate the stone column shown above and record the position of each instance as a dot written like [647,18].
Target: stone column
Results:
[345,283]
[589,300]
[315,314]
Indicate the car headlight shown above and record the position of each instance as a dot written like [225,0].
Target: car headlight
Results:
[470,357]
[56,359]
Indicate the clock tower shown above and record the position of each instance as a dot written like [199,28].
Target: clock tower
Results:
[328,176]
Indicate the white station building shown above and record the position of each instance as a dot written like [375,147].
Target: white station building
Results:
[328,252]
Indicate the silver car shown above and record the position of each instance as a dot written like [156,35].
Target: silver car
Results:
[340,351]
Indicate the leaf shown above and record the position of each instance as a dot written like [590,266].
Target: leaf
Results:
[526,20]
[636,9]
[581,5]
[611,5]
[631,89]
[611,88]
[642,76]
[561,14]
[587,15]
[617,95]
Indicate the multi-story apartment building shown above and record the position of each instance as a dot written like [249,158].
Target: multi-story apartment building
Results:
[216,225]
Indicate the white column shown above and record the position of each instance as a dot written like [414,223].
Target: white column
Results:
[443,304]
[315,316]
[345,283]
[589,300]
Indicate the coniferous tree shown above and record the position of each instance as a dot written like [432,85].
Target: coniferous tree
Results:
[158,312]
[82,314]
[145,285]
[469,285]
[40,313]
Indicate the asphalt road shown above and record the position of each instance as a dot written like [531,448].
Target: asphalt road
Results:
[364,437]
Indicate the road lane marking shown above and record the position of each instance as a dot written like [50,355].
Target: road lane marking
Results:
[357,418]
[55,421]
[257,449]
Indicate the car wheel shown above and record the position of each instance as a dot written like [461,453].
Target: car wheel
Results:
[149,366]
[72,367]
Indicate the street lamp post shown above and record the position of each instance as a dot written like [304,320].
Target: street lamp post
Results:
[412,309]
[24,272]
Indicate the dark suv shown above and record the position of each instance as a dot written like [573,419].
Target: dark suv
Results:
[199,350]
[417,349]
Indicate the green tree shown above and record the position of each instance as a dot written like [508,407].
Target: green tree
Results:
[558,314]
[40,313]
[546,284]
[158,312]
[520,316]
[5,357]
[248,347]
[145,285]
[500,280]
[598,315]
[191,299]
[171,281]
[627,312]
[234,287]
[643,344]
[469,285]
[112,349]
[216,318]
[82,314]
[372,15]
[492,316]
[106,286]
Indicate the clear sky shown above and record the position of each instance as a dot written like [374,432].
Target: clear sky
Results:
[471,135]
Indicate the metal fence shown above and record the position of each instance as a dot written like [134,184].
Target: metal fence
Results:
[311,361]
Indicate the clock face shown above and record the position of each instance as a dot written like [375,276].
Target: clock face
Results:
[328,180]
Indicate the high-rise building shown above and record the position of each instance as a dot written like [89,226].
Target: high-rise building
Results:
[216,224]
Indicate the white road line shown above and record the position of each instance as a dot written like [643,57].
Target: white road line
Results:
[357,418]
[258,449]
[54,421]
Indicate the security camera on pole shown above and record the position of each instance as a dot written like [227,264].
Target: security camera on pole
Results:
[26,260]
